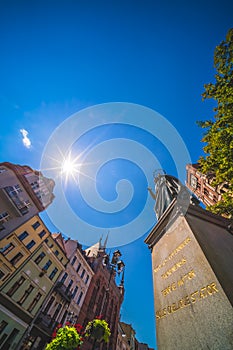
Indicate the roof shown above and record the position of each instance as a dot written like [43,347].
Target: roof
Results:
[96,248]
[93,250]
[58,238]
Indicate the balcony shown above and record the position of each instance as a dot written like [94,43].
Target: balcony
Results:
[16,200]
[46,323]
[63,291]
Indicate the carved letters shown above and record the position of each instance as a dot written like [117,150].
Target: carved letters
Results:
[171,287]
[192,298]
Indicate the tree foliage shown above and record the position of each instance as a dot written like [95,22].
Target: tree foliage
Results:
[219,131]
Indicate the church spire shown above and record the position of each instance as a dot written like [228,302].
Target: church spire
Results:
[106,240]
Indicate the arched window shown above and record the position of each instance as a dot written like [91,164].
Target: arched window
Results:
[100,301]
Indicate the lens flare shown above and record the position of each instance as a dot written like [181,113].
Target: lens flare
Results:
[102,159]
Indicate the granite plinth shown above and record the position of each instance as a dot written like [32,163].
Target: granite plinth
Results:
[192,273]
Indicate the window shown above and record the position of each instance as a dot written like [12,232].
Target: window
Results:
[78,268]
[17,189]
[64,277]
[56,252]
[75,291]
[15,286]
[13,193]
[83,273]
[25,295]
[13,190]
[30,244]
[2,274]
[34,185]
[87,279]
[193,181]
[48,306]
[11,337]
[79,298]
[73,260]
[59,306]
[4,216]
[42,233]
[53,273]
[64,317]
[3,338]
[34,302]
[3,325]
[2,170]
[39,258]
[23,235]
[70,284]
[36,225]
[16,258]
[46,266]
[27,203]
[5,250]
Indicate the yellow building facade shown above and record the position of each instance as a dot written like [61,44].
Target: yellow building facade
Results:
[19,245]
[34,262]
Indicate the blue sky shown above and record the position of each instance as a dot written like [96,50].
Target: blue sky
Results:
[58,57]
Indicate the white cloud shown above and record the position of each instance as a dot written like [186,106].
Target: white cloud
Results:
[26,141]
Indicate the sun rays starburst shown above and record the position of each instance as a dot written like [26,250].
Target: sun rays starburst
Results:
[67,167]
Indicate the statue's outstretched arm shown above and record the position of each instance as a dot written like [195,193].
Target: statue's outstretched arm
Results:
[151,193]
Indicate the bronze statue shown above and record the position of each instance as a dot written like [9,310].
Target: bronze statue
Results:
[168,187]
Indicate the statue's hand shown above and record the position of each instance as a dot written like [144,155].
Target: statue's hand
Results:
[151,193]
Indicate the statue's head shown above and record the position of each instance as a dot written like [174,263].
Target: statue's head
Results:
[157,174]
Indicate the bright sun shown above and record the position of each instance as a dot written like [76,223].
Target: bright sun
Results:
[68,167]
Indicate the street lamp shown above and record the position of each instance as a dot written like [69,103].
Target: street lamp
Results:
[114,266]
[71,318]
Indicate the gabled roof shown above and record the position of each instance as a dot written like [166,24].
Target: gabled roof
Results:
[97,247]
[59,239]
[93,250]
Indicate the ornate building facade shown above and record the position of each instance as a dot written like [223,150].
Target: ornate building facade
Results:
[44,278]
[104,297]
[68,294]
[202,185]
[36,262]
[24,193]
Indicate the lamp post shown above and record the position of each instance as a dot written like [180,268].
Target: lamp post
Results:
[71,318]
[116,265]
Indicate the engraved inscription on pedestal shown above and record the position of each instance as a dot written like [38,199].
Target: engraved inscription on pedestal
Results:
[192,310]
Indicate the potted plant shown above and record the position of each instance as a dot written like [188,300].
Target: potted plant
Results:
[98,330]
[66,338]
[70,337]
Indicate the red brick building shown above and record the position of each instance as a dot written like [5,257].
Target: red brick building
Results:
[103,297]
[202,185]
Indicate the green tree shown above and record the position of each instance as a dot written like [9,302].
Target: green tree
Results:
[219,131]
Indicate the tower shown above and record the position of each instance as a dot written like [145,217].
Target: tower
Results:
[104,297]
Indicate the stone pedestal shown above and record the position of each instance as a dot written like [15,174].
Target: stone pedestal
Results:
[192,260]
